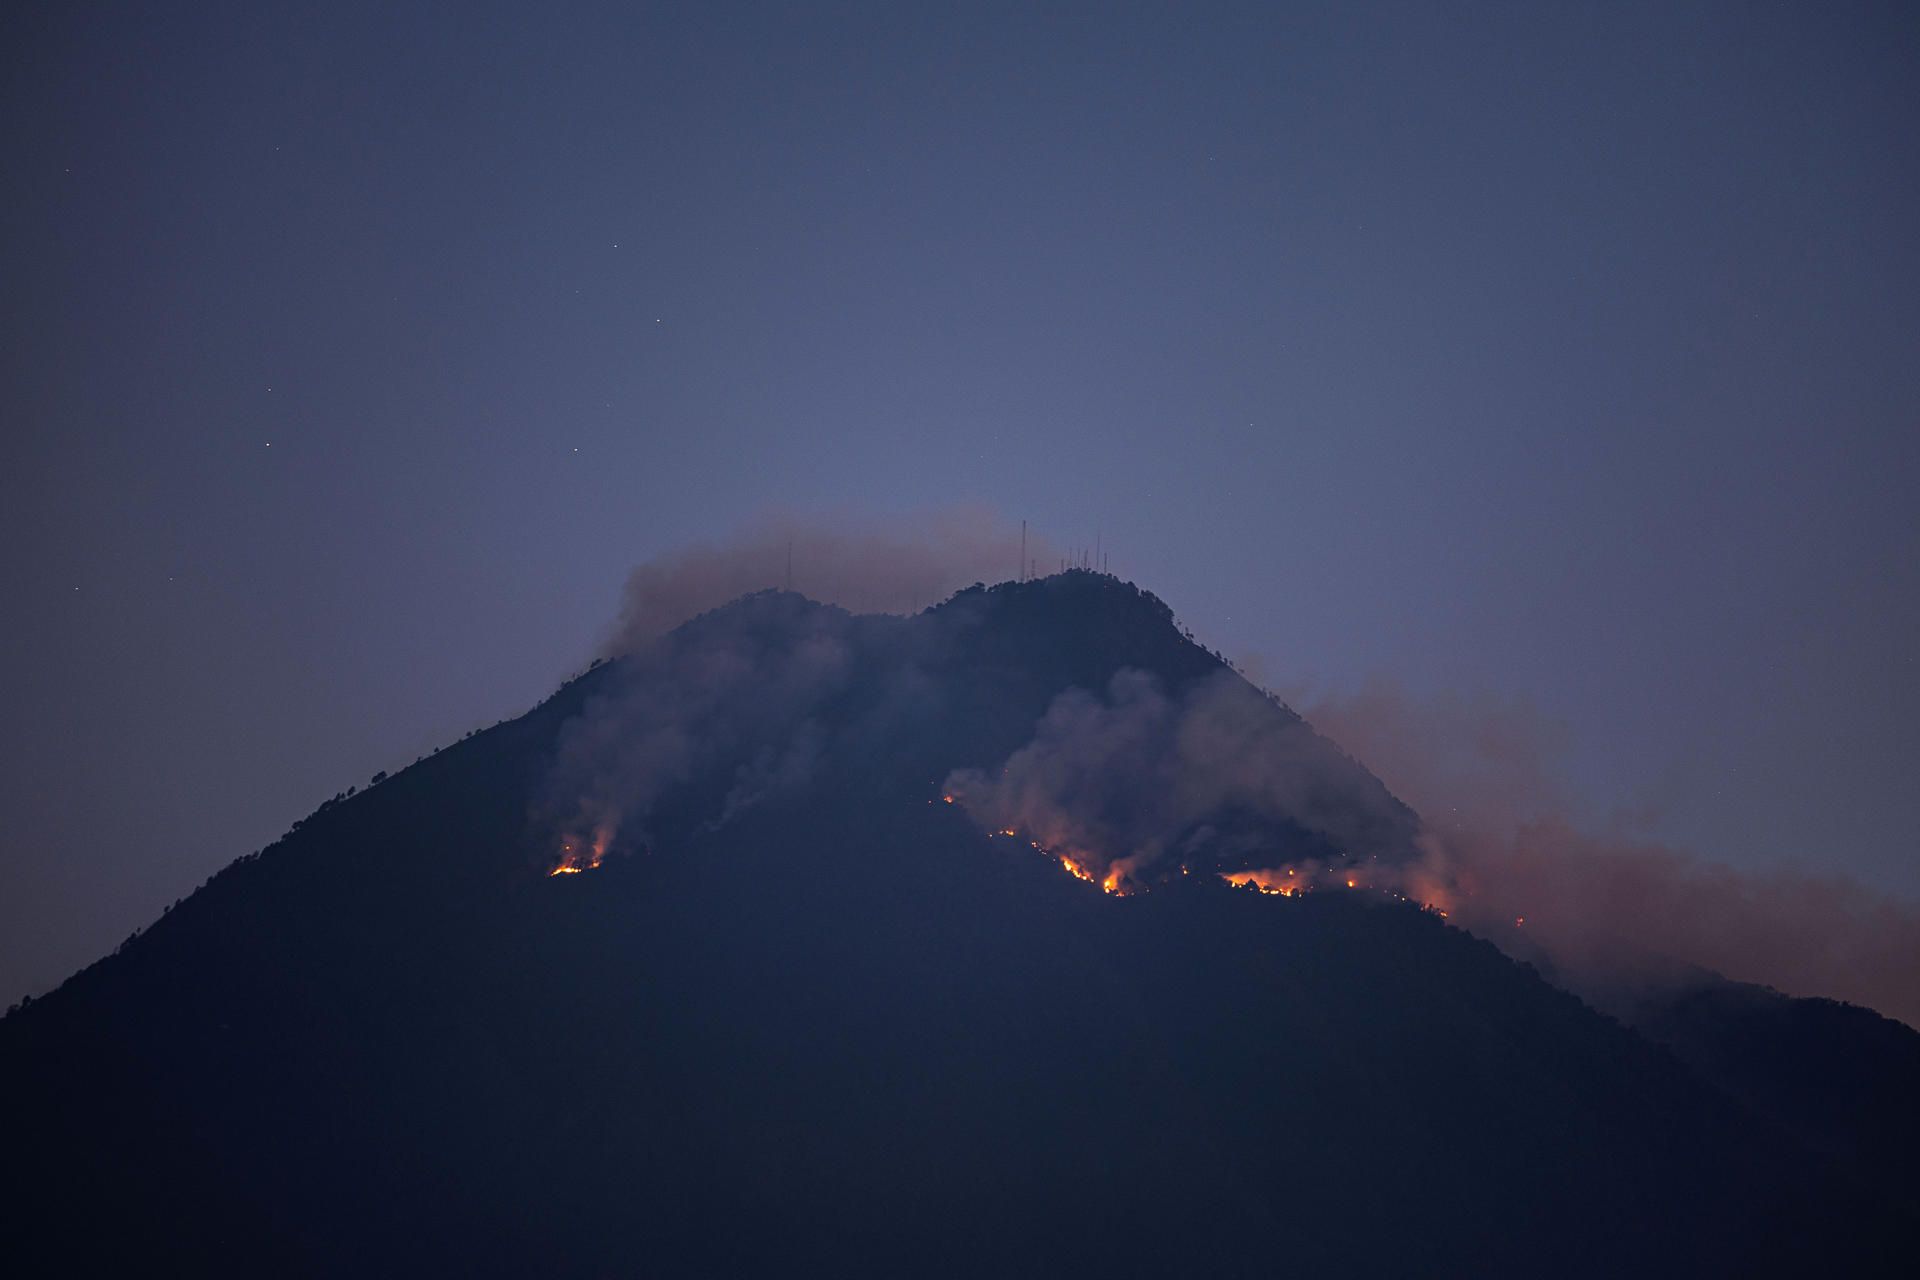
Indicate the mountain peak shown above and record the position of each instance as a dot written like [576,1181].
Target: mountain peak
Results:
[797,1012]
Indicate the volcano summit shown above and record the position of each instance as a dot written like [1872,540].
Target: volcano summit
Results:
[1019,936]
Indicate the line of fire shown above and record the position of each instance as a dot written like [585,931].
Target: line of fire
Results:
[1281,882]
[578,855]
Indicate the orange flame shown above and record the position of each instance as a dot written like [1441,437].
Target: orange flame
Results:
[1271,882]
[574,859]
[1283,882]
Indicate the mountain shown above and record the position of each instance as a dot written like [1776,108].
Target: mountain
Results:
[806,1007]
[1838,1078]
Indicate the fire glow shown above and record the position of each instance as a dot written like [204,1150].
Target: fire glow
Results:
[1115,881]
[1279,882]
[576,857]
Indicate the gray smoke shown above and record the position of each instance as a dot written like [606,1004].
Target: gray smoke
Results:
[734,692]
[1134,779]
[1609,906]
[1131,778]
[1130,781]
[861,563]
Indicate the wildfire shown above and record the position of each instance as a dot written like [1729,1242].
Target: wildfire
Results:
[1271,882]
[1114,883]
[1282,882]
[575,858]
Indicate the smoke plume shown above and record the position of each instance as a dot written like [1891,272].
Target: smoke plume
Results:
[1606,907]
[857,562]
[700,695]
[1139,779]
[736,695]
[1143,784]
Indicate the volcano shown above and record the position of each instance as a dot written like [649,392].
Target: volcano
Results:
[808,942]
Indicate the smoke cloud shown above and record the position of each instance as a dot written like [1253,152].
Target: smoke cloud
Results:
[736,696]
[733,697]
[857,562]
[1606,907]
[1144,783]
[1140,780]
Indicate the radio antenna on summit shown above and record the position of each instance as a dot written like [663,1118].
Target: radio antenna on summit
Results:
[1022,575]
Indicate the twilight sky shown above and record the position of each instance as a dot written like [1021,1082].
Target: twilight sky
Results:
[350,359]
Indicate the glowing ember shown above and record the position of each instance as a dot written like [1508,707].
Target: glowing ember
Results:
[1266,882]
[1113,883]
[575,858]
[1282,882]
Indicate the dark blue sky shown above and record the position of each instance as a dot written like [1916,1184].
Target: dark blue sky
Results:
[351,358]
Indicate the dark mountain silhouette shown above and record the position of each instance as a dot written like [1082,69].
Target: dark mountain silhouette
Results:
[1837,1077]
[805,1017]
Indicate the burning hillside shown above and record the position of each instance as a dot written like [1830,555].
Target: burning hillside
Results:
[820,1026]
[1221,779]
[1118,880]
[577,855]
[1072,710]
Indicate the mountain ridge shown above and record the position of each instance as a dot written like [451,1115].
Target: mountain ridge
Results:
[840,1023]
